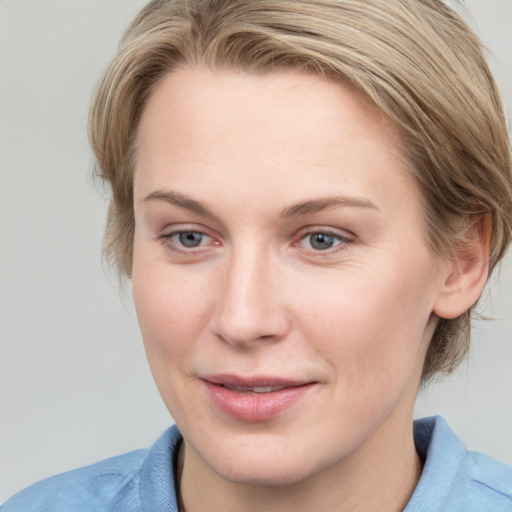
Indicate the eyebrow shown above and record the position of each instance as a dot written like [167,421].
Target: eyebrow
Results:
[325,203]
[296,210]
[180,200]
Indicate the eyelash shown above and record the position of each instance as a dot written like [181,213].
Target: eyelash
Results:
[167,240]
[342,241]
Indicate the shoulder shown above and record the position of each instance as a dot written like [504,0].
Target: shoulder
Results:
[489,478]
[115,484]
[455,479]
[92,486]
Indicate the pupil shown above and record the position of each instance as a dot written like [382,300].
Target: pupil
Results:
[190,239]
[322,241]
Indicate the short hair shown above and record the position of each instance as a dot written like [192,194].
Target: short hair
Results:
[416,60]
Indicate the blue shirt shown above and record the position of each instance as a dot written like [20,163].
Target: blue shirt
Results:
[453,480]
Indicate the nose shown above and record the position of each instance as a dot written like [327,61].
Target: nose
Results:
[251,306]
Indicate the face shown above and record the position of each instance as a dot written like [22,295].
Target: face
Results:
[281,274]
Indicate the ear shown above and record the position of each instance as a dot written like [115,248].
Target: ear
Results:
[466,273]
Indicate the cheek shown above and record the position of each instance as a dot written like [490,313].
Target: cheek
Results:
[369,325]
[171,309]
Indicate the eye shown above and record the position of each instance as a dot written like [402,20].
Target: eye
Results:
[189,238]
[321,241]
[182,240]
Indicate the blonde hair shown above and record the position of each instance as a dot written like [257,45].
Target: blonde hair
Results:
[415,59]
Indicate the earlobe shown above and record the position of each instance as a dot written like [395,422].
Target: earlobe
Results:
[466,273]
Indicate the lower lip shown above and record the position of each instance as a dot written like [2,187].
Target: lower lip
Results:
[255,407]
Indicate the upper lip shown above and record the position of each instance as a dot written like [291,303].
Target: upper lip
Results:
[239,382]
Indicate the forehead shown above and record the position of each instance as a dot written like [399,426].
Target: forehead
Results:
[268,125]
[190,101]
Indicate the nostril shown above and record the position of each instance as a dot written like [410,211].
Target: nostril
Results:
[249,335]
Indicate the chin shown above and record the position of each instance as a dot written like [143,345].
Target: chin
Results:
[271,474]
[267,463]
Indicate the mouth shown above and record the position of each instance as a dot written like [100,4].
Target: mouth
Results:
[257,398]
[256,389]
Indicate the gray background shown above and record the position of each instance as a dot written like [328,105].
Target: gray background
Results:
[75,386]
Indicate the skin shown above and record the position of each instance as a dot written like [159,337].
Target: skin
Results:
[230,156]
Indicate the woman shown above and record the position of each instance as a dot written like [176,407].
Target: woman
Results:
[309,198]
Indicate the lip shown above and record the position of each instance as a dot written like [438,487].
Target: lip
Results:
[236,396]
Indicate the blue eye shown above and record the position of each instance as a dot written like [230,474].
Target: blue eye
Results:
[189,239]
[188,242]
[321,241]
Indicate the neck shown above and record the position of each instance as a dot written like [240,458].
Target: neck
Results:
[381,476]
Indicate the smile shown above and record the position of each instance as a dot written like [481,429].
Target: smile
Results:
[255,389]
[254,399]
